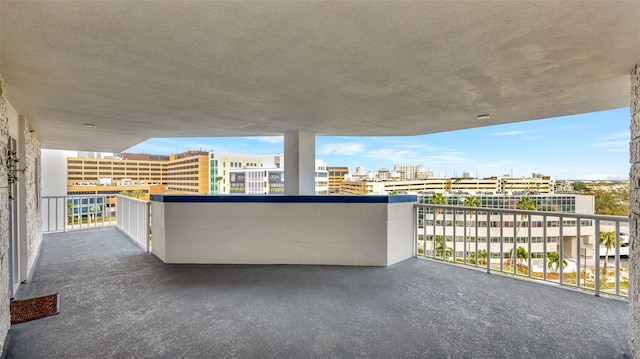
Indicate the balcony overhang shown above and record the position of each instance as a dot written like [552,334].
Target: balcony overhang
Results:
[137,70]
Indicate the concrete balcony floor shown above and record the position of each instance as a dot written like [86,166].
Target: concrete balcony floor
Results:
[118,302]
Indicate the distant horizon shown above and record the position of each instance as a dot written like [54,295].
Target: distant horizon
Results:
[586,147]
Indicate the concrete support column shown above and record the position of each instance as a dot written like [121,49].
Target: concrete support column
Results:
[634,202]
[299,162]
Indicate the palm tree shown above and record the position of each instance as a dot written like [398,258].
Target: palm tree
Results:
[608,239]
[438,199]
[471,201]
[219,178]
[526,204]
[482,256]
[521,254]
[439,248]
[553,261]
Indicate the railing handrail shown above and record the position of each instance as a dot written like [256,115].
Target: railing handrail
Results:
[491,237]
[133,219]
[601,217]
[71,212]
[80,195]
[131,198]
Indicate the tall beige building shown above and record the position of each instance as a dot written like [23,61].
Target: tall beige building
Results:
[186,172]
[544,184]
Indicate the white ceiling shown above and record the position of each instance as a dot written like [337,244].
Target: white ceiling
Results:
[169,69]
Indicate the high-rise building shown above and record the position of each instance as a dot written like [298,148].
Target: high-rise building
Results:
[410,171]
[336,177]
[493,185]
[186,172]
[221,163]
[503,232]
[269,181]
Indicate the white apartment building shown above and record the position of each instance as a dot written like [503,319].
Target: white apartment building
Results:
[259,181]
[530,232]
[221,163]
[408,171]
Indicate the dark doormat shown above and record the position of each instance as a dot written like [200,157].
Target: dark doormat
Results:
[34,308]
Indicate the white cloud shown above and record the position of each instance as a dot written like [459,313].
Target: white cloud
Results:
[346,149]
[420,147]
[531,138]
[614,146]
[618,136]
[267,139]
[511,133]
[391,155]
[402,156]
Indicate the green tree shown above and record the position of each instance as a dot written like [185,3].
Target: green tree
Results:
[526,204]
[612,203]
[482,256]
[219,179]
[440,245]
[471,201]
[69,211]
[438,199]
[580,187]
[521,254]
[457,183]
[608,239]
[553,261]
[134,194]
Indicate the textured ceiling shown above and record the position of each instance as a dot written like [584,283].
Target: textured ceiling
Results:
[169,69]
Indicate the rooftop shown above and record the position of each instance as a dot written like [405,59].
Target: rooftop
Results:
[118,301]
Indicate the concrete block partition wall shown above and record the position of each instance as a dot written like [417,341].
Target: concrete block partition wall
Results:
[321,230]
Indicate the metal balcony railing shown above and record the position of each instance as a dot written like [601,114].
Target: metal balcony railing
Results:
[68,213]
[133,220]
[586,252]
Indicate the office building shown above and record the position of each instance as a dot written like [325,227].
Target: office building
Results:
[222,163]
[530,232]
[186,172]
[491,185]
[269,181]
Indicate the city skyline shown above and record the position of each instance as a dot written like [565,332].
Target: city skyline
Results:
[592,146]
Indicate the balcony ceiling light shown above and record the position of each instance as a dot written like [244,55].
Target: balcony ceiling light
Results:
[483,117]
[89,125]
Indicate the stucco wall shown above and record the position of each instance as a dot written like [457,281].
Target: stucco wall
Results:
[31,180]
[4,220]
[634,202]
[28,197]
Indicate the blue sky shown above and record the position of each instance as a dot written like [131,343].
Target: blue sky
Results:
[589,146]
